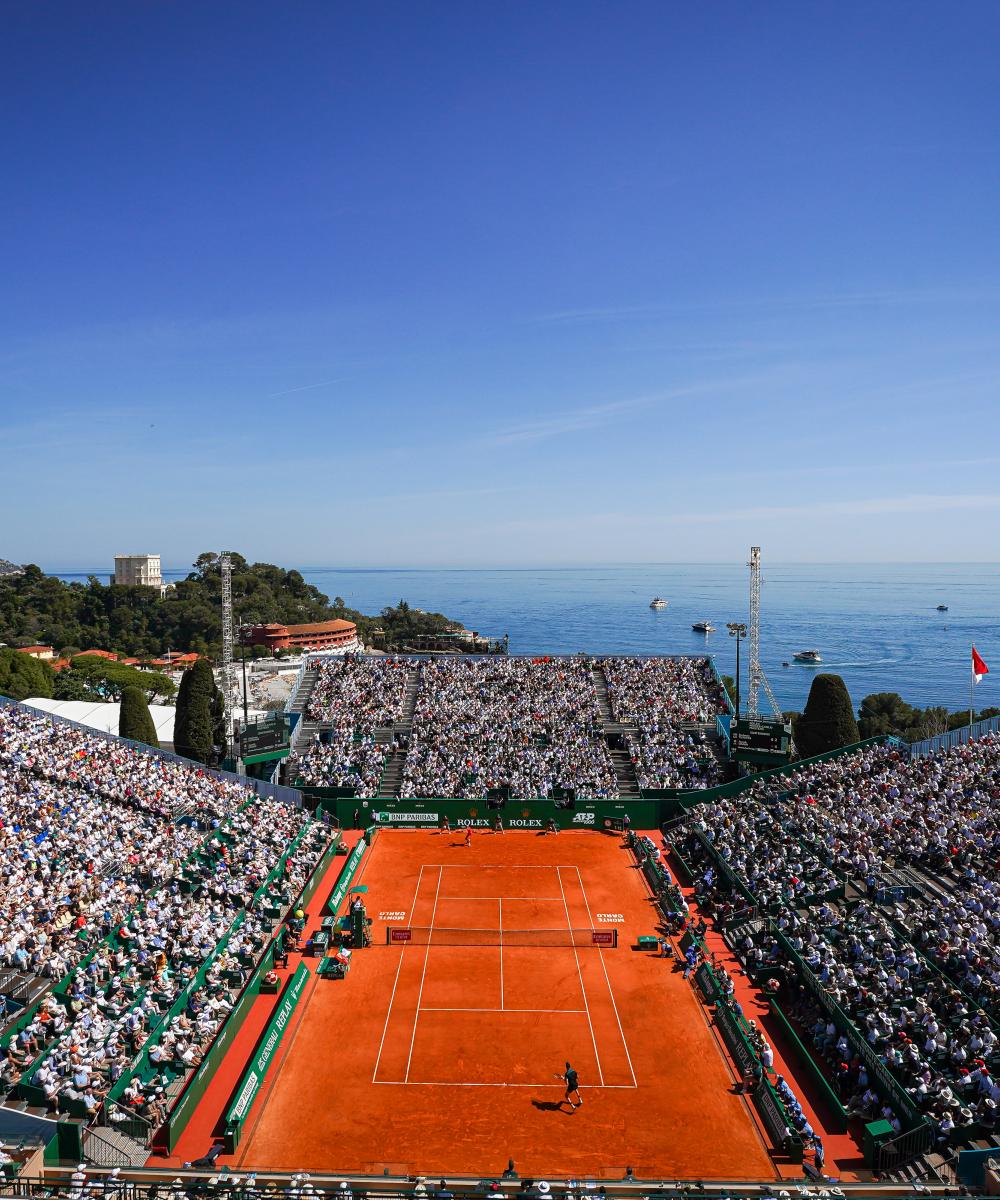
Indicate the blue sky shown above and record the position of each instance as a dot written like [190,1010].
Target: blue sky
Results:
[438,283]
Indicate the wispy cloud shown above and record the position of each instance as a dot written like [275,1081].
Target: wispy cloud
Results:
[872,298]
[307,387]
[584,316]
[595,416]
[866,507]
[569,421]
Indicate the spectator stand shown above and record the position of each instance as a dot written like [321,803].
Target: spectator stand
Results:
[218,1057]
[272,904]
[262,787]
[716,988]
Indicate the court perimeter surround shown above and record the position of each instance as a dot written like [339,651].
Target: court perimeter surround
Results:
[441,1057]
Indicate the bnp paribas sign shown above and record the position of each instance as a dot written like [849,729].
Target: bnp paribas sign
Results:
[407,818]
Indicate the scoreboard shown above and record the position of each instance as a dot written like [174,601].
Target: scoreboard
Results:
[761,739]
[260,740]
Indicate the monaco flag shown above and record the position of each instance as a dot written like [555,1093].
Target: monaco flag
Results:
[979,668]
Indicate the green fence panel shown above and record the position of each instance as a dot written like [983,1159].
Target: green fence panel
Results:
[839,1123]
[595,813]
[169,1134]
[339,893]
[254,1075]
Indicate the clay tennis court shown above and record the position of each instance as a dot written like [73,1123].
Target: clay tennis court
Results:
[440,1056]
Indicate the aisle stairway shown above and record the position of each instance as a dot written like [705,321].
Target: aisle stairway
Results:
[616,734]
[105,1146]
[306,729]
[400,731]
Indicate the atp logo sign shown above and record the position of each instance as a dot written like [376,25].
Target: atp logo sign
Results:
[583,818]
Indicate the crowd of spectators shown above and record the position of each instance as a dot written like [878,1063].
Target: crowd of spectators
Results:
[663,698]
[79,853]
[359,693]
[528,725]
[338,758]
[352,698]
[915,970]
[126,875]
[533,726]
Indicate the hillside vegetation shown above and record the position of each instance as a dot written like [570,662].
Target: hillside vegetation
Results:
[136,621]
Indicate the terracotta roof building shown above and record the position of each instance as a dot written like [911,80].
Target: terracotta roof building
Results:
[322,635]
[45,652]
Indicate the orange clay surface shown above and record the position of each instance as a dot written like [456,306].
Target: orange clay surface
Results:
[441,1059]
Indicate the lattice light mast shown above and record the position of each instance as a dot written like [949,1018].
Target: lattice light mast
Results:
[757,677]
[228,665]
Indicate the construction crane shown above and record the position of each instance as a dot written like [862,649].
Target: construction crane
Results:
[229,694]
[757,677]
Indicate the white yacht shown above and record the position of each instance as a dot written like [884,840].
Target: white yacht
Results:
[657,602]
[703,627]
[807,656]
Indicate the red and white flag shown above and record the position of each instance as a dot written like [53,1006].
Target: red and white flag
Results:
[979,668]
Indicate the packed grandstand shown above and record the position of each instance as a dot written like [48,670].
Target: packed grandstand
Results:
[862,892]
[129,877]
[879,873]
[534,726]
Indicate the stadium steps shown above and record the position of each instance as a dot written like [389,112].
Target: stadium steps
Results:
[392,776]
[410,699]
[628,781]
[106,1147]
[22,987]
[304,691]
[616,733]
[399,731]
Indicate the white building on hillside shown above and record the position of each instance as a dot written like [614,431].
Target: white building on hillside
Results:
[138,570]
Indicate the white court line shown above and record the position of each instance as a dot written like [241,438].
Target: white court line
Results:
[611,991]
[505,867]
[500,902]
[591,1087]
[586,1004]
[554,899]
[423,976]
[576,1011]
[416,892]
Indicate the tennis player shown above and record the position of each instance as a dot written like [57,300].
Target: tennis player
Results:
[468,835]
[572,1086]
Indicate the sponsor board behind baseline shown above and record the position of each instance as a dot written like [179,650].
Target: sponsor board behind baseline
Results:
[432,818]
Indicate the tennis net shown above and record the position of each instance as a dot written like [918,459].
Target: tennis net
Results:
[425,935]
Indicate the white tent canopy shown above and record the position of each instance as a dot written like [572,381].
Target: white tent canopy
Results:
[102,716]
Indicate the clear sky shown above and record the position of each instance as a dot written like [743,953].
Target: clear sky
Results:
[499,283]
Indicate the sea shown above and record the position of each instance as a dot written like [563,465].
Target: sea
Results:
[875,625]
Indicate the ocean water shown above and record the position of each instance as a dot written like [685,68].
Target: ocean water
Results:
[875,625]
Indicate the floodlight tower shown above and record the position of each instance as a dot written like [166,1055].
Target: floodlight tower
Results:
[757,677]
[228,665]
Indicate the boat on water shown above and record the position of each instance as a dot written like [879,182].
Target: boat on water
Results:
[807,656]
[657,602]
[942,608]
[703,627]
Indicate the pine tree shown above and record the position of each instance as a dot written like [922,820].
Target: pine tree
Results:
[134,720]
[22,676]
[828,721]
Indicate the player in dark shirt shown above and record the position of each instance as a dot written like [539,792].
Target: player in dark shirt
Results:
[572,1086]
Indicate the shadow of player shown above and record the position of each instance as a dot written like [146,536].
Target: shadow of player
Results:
[552,1105]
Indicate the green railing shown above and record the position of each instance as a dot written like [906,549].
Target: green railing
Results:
[170,1132]
[822,1084]
[254,1075]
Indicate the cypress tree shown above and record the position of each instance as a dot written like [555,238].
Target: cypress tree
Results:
[134,720]
[194,723]
[828,721]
